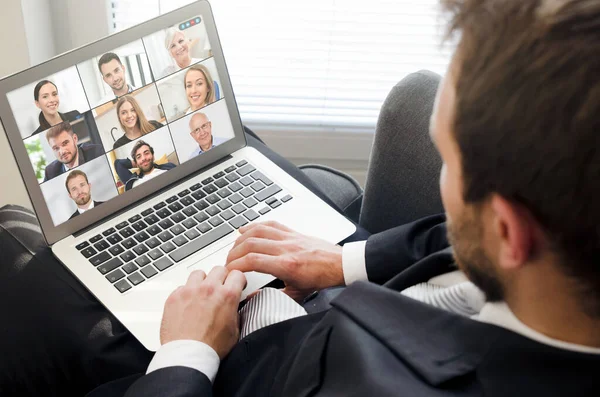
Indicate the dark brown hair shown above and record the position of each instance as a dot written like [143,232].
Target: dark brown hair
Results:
[75,174]
[527,118]
[58,129]
[137,147]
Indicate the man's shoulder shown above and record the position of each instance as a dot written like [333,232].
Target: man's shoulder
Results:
[166,166]
[53,169]
[75,214]
[91,150]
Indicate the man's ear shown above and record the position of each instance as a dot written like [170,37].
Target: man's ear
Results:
[75,138]
[515,230]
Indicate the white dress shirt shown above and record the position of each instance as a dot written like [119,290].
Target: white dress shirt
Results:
[81,211]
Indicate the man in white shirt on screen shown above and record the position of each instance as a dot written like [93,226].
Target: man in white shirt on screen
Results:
[80,191]
[114,74]
[143,158]
[201,131]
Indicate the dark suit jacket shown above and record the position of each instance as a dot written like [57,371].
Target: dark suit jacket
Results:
[376,342]
[87,152]
[76,213]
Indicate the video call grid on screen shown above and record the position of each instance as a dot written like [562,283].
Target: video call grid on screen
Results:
[164,89]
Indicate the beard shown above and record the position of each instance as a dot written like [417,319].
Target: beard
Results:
[148,167]
[83,200]
[70,157]
[465,237]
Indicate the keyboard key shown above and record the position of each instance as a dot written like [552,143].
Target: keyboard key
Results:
[95,239]
[246,181]
[199,195]
[183,193]
[250,202]
[163,263]
[232,177]
[224,193]
[189,223]
[153,243]
[155,254]
[110,265]
[210,189]
[201,217]
[82,245]
[147,212]
[141,237]
[257,186]
[127,256]
[122,225]
[167,223]
[123,286]
[230,169]
[275,204]
[204,227]
[271,200]
[108,232]
[241,163]
[212,211]
[164,213]
[190,211]
[201,242]
[215,221]
[136,278]
[224,204]
[235,198]
[187,200]
[235,186]
[227,215]
[160,205]
[178,217]
[149,271]
[116,250]
[286,198]
[200,205]
[167,247]
[268,192]
[114,239]
[207,181]
[152,219]
[264,210]
[129,243]
[221,183]
[177,229]
[129,268]
[238,222]
[139,226]
[165,236]
[179,241]
[115,276]
[259,176]
[171,199]
[213,199]
[246,192]
[192,234]
[251,215]
[134,218]
[88,252]
[101,245]
[154,230]
[195,187]
[127,232]
[218,175]
[140,249]
[246,170]
[238,208]
[142,261]
[175,207]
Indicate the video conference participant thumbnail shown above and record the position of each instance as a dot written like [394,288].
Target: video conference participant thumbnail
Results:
[133,121]
[201,132]
[68,152]
[143,158]
[80,191]
[114,75]
[47,99]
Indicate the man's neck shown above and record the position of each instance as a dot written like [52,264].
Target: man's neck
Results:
[122,91]
[85,206]
[75,161]
[210,145]
[149,172]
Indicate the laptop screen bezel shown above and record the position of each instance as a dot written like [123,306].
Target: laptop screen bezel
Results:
[54,233]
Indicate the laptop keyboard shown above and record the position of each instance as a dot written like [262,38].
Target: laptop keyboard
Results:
[185,223]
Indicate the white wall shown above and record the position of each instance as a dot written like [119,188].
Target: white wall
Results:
[39,28]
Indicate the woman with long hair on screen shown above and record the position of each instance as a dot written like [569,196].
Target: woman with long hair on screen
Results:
[45,94]
[199,88]
[179,47]
[132,120]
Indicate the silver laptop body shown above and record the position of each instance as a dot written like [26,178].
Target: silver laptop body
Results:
[144,235]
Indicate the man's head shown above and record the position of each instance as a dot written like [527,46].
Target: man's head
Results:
[516,122]
[201,130]
[63,142]
[143,156]
[112,71]
[79,188]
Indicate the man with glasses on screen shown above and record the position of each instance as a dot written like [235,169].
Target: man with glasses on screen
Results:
[80,191]
[201,131]
[115,75]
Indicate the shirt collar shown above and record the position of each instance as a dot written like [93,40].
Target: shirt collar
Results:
[88,208]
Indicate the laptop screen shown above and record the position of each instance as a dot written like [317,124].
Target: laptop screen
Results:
[103,127]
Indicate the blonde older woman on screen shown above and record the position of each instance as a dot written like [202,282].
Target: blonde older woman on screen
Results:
[199,88]
[133,121]
[179,47]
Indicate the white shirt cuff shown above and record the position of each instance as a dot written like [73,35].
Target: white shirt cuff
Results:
[187,353]
[354,264]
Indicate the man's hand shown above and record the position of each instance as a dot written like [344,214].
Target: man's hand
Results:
[205,309]
[303,263]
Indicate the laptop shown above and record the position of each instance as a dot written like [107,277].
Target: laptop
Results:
[133,154]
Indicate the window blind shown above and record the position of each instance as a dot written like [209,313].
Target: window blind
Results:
[324,64]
